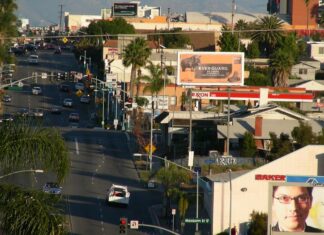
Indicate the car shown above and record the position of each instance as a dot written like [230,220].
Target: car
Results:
[7,117]
[6,98]
[33,59]
[118,194]
[74,117]
[37,90]
[79,86]
[85,99]
[38,113]
[65,88]
[56,109]
[67,102]
[58,51]
[22,112]
[52,188]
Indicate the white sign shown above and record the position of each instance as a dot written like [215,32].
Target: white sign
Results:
[134,224]
[173,212]
[44,75]
[115,122]
[20,84]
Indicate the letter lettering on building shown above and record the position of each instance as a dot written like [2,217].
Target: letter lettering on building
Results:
[270,177]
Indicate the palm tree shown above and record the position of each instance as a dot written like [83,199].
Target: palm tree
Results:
[25,146]
[155,82]
[281,63]
[268,33]
[41,217]
[136,55]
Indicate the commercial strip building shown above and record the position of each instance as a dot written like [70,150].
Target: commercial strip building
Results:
[250,189]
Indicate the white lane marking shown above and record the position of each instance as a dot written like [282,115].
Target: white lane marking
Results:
[76,146]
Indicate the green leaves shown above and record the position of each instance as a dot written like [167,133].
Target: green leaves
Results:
[24,146]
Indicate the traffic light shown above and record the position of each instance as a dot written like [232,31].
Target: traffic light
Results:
[123,226]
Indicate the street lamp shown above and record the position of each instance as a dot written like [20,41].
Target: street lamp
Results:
[230,205]
[22,171]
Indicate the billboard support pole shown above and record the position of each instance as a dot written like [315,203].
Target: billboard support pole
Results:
[228,121]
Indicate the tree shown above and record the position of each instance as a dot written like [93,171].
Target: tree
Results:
[258,223]
[171,177]
[28,146]
[156,81]
[136,55]
[253,50]
[25,146]
[42,216]
[228,41]
[112,28]
[303,134]
[280,146]
[281,63]
[248,146]
[7,25]
[268,33]
[174,39]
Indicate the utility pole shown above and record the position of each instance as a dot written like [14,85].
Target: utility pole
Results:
[169,18]
[233,13]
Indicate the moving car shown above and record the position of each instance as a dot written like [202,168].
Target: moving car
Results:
[85,99]
[64,88]
[56,109]
[74,117]
[38,113]
[7,117]
[58,51]
[22,112]
[79,86]
[118,194]
[52,188]
[33,59]
[6,98]
[37,90]
[67,102]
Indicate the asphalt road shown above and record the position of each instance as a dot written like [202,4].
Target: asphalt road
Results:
[99,158]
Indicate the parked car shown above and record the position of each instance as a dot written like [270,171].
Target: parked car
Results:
[22,112]
[85,99]
[52,188]
[74,117]
[67,102]
[118,194]
[37,90]
[38,113]
[6,98]
[7,117]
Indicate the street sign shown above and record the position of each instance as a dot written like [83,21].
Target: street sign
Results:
[305,179]
[134,224]
[65,40]
[197,220]
[79,93]
[190,158]
[147,148]
[173,212]
[44,75]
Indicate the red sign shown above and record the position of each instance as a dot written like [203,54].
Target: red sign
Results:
[270,177]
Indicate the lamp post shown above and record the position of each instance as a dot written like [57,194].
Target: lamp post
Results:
[22,171]
[230,205]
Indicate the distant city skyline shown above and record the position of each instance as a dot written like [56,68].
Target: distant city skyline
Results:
[46,12]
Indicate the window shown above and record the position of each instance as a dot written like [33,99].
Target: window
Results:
[321,50]
[302,71]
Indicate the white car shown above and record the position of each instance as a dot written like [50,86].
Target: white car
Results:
[37,90]
[33,59]
[52,188]
[67,102]
[118,194]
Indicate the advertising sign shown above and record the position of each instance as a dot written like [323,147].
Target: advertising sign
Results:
[210,68]
[295,208]
[125,9]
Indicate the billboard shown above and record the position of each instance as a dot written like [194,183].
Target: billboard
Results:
[210,68]
[125,9]
[296,208]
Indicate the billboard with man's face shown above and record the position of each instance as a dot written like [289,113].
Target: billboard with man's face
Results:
[296,208]
[210,68]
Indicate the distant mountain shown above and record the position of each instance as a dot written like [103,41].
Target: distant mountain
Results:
[45,12]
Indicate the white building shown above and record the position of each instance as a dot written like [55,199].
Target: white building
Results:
[250,192]
[74,22]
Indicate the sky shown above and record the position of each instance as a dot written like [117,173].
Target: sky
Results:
[46,12]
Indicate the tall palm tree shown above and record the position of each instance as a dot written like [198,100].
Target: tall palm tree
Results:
[281,63]
[268,33]
[136,55]
[25,146]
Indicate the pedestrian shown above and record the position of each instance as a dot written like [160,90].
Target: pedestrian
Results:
[234,231]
